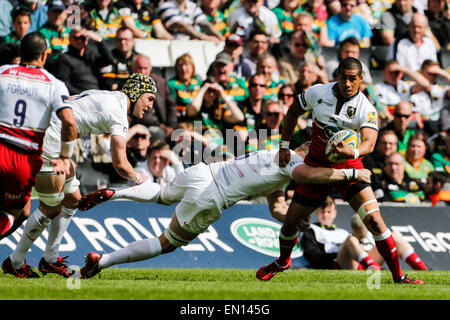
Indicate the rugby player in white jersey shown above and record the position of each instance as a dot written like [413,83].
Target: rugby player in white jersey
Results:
[28,96]
[334,106]
[202,192]
[97,112]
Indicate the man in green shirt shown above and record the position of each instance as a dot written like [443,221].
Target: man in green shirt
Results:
[21,22]
[55,32]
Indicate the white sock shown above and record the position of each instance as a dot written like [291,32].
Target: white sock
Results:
[57,228]
[32,230]
[135,251]
[145,192]
[362,256]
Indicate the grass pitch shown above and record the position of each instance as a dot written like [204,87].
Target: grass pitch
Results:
[227,284]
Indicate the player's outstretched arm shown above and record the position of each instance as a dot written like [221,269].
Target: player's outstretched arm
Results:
[121,163]
[277,205]
[307,174]
[289,124]
[68,139]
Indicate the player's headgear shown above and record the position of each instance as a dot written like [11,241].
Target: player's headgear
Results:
[138,84]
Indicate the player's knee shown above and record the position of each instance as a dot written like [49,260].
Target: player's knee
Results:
[166,246]
[368,208]
[51,199]
[352,241]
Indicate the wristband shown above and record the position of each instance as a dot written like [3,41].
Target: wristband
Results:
[67,149]
[138,178]
[284,144]
[356,156]
[350,174]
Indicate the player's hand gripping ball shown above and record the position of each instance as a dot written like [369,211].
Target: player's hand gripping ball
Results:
[350,137]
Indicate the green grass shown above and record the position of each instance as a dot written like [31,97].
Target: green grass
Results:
[227,284]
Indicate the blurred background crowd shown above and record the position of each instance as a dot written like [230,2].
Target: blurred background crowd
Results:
[265,54]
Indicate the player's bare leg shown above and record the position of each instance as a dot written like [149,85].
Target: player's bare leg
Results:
[365,204]
[351,253]
[297,219]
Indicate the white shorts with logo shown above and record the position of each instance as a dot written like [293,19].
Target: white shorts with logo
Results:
[200,201]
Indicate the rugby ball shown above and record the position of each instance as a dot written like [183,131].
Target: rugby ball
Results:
[350,137]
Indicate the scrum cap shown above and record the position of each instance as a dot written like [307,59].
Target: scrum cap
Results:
[138,84]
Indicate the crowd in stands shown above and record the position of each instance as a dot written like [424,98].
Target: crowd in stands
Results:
[272,50]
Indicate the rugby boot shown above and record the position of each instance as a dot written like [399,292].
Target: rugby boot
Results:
[25,271]
[407,280]
[267,272]
[90,200]
[59,267]
[90,268]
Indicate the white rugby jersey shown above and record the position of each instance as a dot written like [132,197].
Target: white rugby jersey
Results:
[251,175]
[356,113]
[430,105]
[390,96]
[28,96]
[98,112]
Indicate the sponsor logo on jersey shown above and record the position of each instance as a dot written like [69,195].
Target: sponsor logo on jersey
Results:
[28,73]
[372,118]
[260,235]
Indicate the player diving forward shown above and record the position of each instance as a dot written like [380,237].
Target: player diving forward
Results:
[98,112]
[202,192]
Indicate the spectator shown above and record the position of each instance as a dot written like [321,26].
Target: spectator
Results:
[189,144]
[267,65]
[400,124]
[182,18]
[309,75]
[318,12]
[286,96]
[397,185]
[316,34]
[142,20]
[415,47]
[252,106]
[56,33]
[268,135]
[9,53]
[21,22]
[235,88]
[395,21]
[348,24]
[257,44]
[234,47]
[38,13]
[215,16]
[79,68]
[439,22]
[288,65]
[434,188]
[138,142]
[416,166]
[387,143]
[5,18]
[162,164]
[285,12]
[104,18]
[393,89]
[348,48]
[123,54]
[162,118]
[185,85]
[429,101]
[254,15]
[213,108]
[441,159]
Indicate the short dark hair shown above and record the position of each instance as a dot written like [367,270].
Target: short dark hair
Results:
[8,52]
[351,40]
[32,46]
[20,11]
[439,177]
[350,63]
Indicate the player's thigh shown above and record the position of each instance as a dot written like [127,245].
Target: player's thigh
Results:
[17,177]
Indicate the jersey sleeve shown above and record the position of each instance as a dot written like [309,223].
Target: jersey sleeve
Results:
[369,117]
[295,161]
[59,96]
[307,98]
